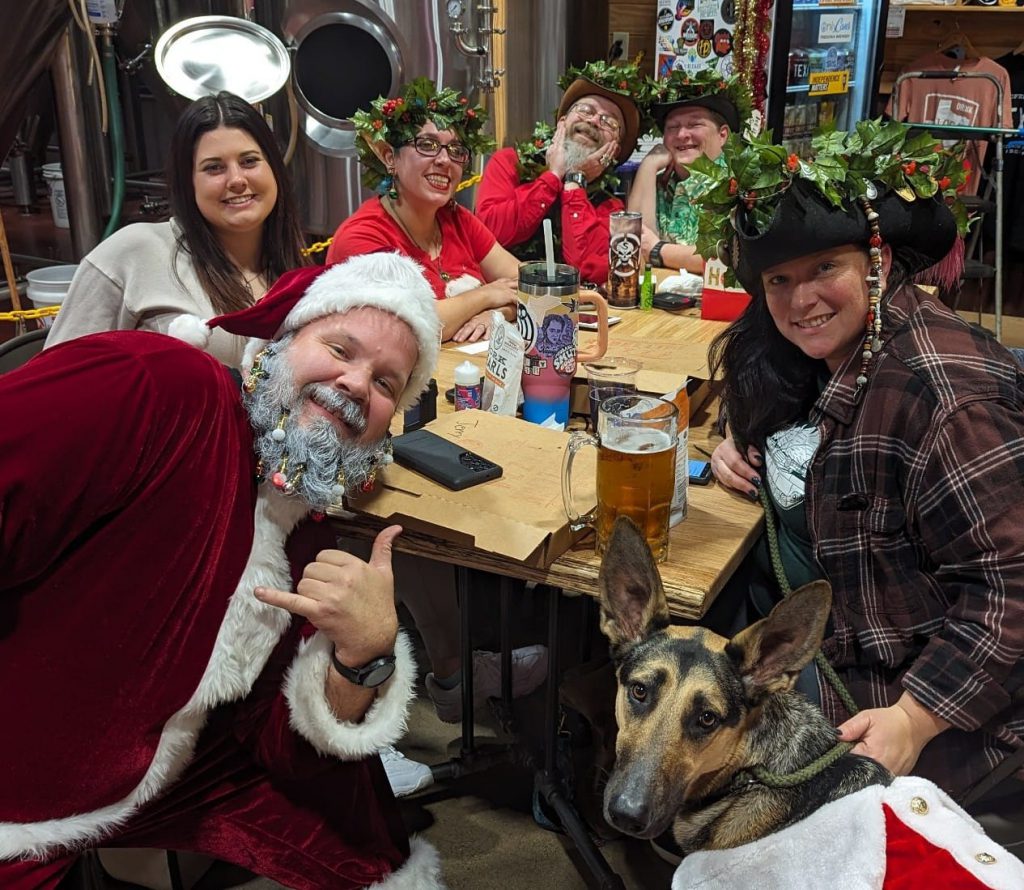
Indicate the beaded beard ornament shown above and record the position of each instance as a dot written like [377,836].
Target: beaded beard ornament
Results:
[286,479]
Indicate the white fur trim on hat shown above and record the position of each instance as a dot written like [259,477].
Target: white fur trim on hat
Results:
[387,281]
[190,328]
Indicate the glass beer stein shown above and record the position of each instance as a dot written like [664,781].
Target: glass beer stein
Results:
[636,461]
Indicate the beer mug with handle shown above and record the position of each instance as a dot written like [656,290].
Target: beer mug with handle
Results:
[636,460]
[549,324]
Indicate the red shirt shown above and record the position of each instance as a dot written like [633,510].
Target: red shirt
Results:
[465,241]
[514,210]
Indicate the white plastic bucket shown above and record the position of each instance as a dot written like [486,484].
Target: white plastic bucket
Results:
[49,286]
[54,178]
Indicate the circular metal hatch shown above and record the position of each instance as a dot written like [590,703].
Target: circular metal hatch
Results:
[203,55]
[342,62]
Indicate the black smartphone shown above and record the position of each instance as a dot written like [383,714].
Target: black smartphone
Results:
[673,302]
[700,472]
[445,462]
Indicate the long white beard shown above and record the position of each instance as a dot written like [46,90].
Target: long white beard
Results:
[575,154]
[318,447]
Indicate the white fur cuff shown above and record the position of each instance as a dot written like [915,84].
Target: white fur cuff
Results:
[421,871]
[313,719]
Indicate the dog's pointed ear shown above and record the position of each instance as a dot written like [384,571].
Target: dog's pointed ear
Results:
[771,653]
[633,604]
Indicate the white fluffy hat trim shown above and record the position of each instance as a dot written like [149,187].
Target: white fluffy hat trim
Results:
[388,281]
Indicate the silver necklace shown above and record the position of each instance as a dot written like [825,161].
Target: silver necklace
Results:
[393,212]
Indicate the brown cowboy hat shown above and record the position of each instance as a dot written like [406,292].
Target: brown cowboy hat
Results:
[584,86]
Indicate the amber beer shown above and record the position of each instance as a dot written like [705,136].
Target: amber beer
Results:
[636,478]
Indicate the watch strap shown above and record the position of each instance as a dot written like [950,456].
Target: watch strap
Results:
[654,255]
[372,674]
[577,177]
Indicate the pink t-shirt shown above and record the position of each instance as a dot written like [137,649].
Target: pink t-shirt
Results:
[465,241]
[963,102]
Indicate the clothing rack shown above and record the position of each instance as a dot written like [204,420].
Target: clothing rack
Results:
[995,134]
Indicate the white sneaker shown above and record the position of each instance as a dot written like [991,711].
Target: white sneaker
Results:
[406,776]
[529,669]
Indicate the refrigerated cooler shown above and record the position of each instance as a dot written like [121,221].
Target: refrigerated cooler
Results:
[825,59]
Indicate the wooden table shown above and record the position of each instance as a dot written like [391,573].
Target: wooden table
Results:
[704,549]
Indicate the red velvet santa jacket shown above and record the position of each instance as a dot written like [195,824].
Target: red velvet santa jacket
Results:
[907,836]
[131,538]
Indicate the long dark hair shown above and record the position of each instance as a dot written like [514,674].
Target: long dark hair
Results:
[769,382]
[282,234]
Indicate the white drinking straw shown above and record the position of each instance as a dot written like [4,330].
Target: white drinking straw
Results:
[549,249]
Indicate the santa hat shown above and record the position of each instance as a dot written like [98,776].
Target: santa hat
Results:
[387,281]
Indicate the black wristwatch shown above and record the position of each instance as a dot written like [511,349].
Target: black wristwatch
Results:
[577,177]
[371,675]
[654,256]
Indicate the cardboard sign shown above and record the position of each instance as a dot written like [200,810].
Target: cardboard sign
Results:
[827,83]
[519,516]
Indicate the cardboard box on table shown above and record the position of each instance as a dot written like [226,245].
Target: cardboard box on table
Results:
[665,364]
[519,516]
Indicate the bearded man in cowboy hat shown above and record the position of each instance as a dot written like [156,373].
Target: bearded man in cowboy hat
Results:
[695,115]
[171,691]
[566,174]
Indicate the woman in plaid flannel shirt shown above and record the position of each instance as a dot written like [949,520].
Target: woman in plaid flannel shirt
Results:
[893,453]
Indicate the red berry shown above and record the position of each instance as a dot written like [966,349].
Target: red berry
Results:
[944,183]
[792,163]
[733,186]
[967,165]
[875,240]
[470,112]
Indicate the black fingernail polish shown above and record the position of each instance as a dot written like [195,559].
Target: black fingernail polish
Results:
[757,481]
[752,494]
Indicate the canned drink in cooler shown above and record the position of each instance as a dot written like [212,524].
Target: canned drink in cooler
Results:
[798,66]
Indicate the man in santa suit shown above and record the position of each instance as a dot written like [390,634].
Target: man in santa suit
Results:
[162,687]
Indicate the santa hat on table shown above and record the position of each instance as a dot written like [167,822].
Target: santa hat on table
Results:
[387,281]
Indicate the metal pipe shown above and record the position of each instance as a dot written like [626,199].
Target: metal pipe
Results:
[85,229]
[116,131]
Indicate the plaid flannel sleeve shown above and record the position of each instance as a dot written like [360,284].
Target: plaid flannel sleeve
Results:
[971,520]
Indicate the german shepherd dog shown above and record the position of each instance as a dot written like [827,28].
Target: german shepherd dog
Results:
[694,710]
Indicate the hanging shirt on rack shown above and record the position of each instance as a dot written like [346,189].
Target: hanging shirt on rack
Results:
[961,102]
[1013,165]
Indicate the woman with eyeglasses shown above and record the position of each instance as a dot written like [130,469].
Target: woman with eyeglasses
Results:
[415,150]
[695,115]
[567,173]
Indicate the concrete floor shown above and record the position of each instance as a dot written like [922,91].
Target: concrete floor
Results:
[483,828]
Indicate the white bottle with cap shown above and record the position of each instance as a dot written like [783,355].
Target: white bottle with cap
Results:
[468,386]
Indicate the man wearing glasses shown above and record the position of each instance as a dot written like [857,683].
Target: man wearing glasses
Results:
[567,174]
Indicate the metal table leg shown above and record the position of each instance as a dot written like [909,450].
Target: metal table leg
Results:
[550,782]
[466,641]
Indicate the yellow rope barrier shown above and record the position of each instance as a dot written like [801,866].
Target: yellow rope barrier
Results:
[321,246]
[29,314]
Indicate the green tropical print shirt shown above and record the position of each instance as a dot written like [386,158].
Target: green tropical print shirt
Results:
[677,214]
